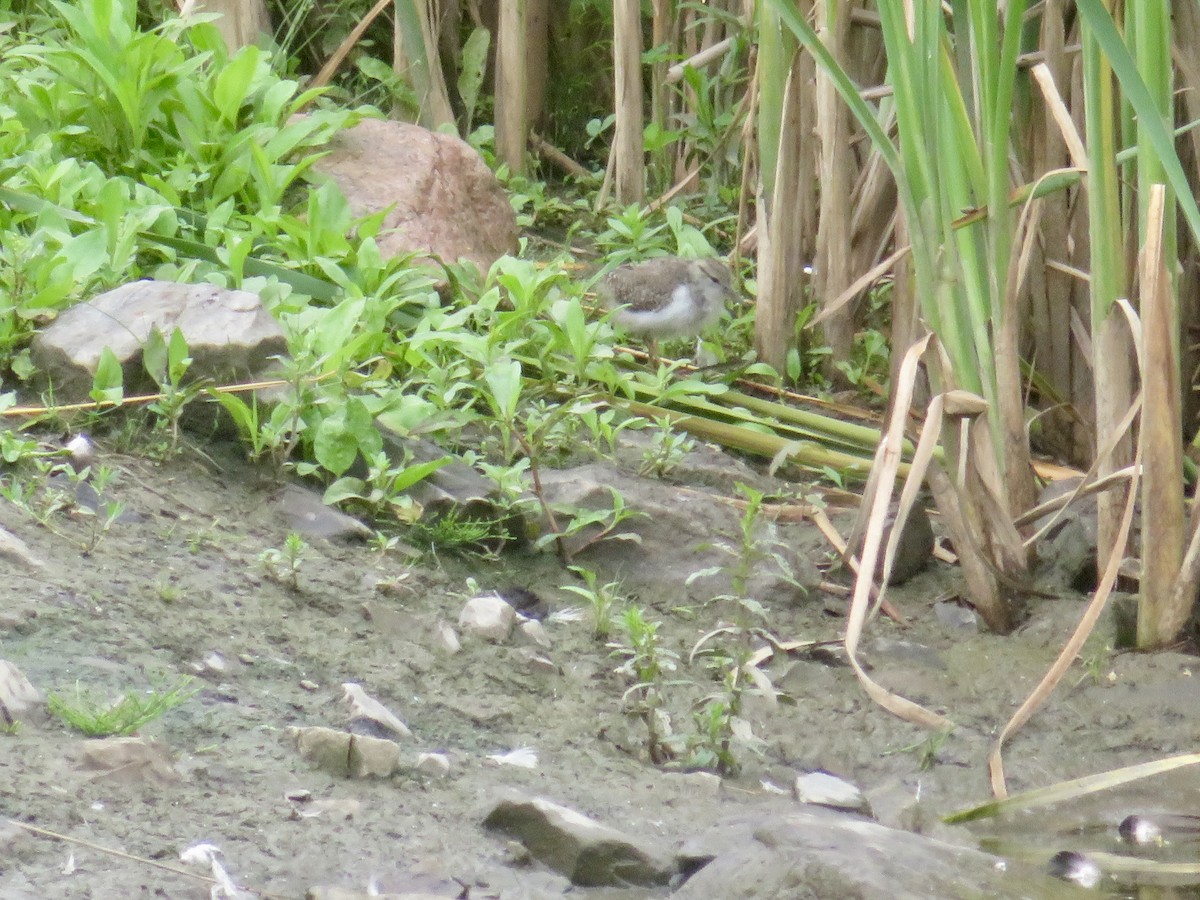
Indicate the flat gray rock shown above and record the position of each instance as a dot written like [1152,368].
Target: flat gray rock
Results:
[681,532]
[817,854]
[230,335]
[305,512]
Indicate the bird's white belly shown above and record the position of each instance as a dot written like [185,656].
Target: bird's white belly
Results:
[682,315]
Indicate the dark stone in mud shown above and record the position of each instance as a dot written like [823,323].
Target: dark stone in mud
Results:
[585,851]
[305,512]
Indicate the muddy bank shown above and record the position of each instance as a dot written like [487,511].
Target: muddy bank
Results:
[178,587]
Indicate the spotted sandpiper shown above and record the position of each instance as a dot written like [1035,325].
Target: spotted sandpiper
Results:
[667,296]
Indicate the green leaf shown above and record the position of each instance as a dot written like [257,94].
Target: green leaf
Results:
[503,379]
[474,64]
[154,356]
[418,472]
[341,436]
[234,81]
[345,489]
[108,382]
[1149,118]
[178,360]
[244,415]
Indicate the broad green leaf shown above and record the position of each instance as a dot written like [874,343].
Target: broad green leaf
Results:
[154,356]
[474,64]
[503,379]
[178,360]
[345,489]
[234,81]
[108,384]
[418,472]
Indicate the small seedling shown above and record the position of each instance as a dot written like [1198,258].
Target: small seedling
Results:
[284,565]
[666,451]
[101,519]
[128,714]
[204,537]
[167,592]
[601,523]
[647,664]
[1094,664]
[603,599]
[926,749]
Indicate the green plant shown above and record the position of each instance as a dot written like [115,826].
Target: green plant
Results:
[721,733]
[667,449]
[207,536]
[131,712]
[926,749]
[603,599]
[107,512]
[283,565]
[382,492]
[167,591]
[756,544]
[1094,664]
[711,747]
[586,527]
[869,365]
[647,663]
[167,364]
[457,530]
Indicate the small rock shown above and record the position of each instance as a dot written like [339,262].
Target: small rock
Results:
[365,707]
[129,760]
[489,617]
[585,851]
[345,754]
[18,696]
[448,639]
[956,615]
[817,852]
[309,686]
[822,789]
[439,196]
[534,632]
[521,757]
[434,765]
[535,662]
[12,547]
